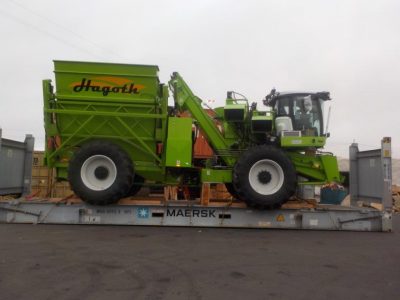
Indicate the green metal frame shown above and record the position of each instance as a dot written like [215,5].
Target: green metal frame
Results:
[135,121]
[216,176]
[322,168]
[178,152]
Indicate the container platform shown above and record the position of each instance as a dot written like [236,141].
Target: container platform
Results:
[192,214]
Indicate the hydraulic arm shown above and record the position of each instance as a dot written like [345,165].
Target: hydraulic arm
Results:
[186,100]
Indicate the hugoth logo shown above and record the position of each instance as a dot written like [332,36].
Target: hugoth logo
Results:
[107,85]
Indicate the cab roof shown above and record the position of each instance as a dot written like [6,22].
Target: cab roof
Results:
[272,98]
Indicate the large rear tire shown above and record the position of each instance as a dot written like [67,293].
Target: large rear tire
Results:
[264,177]
[231,189]
[100,173]
[136,186]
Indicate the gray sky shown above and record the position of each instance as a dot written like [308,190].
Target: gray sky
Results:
[350,48]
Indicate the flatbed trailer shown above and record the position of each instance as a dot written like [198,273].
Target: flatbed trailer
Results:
[192,214]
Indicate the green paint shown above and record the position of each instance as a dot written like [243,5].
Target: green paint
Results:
[216,176]
[322,168]
[179,143]
[116,102]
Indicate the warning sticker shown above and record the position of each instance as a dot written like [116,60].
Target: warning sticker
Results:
[280,218]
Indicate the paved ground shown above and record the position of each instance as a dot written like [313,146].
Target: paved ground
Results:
[111,262]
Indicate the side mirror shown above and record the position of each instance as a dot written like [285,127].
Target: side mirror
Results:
[327,134]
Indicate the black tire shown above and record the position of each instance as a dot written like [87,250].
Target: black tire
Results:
[264,177]
[231,189]
[100,173]
[136,186]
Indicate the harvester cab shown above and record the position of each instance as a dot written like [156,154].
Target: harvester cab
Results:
[299,117]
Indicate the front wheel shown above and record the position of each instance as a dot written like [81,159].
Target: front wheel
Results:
[100,173]
[264,177]
[231,189]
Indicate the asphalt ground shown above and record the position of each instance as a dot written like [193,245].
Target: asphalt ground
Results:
[124,262]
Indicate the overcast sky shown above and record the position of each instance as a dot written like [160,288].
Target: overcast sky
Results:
[350,48]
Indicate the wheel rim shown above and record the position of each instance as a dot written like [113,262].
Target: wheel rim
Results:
[98,172]
[266,177]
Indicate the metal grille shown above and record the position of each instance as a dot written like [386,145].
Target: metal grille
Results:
[291,133]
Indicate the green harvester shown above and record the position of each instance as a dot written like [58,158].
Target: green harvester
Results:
[110,131]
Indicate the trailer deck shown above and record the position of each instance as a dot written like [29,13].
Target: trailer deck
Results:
[192,214]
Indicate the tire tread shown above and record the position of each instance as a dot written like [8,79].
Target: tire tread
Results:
[243,188]
[123,181]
